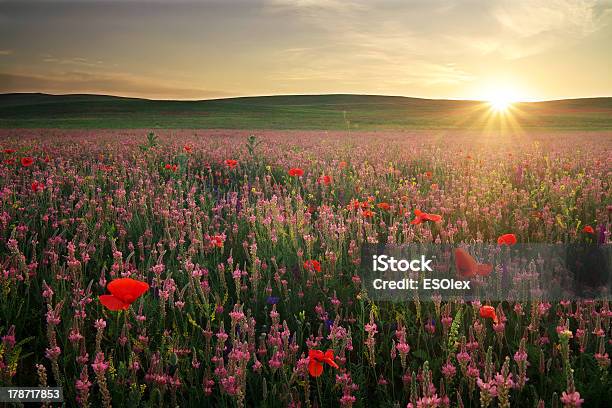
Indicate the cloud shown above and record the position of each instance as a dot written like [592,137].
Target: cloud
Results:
[112,84]
[510,28]
[532,27]
[314,4]
[76,61]
[531,18]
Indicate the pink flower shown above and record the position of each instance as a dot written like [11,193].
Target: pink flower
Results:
[53,353]
[99,365]
[571,400]
[100,324]
[449,370]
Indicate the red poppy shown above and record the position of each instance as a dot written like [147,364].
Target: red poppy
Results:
[9,162]
[367,213]
[171,167]
[187,148]
[507,239]
[9,151]
[353,205]
[428,174]
[342,164]
[231,163]
[124,292]
[27,161]
[384,206]
[296,172]
[421,217]
[36,186]
[312,265]
[588,229]
[467,266]
[316,358]
[217,241]
[325,180]
[488,312]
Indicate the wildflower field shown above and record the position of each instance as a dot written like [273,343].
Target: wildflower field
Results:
[219,268]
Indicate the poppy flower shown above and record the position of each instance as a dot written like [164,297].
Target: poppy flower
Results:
[171,167]
[421,217]
[325,180]
[488,312]
[27,161]
[428,174]
[353,205]
[187,148]
[9,162]
[467,266]
[507,239]
[316,358]
[36,186]
[312,265]
[217,241]
[9,151]
[124,292]
[588,229]
[296,172]
[367,213]
[342,164]
[231,163]
[384,206]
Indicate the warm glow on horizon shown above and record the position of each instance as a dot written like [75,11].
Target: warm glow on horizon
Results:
[500,103]
[192,50]
[501,98]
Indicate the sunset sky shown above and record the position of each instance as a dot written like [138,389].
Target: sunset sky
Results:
[179,49]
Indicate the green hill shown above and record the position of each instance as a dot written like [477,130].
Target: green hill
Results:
[364,112]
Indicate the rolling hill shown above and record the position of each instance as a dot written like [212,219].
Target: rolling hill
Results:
[333,112]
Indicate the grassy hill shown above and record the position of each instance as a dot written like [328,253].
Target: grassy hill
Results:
[333,112]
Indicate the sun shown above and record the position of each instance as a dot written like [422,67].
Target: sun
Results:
[500,103]
[500,100]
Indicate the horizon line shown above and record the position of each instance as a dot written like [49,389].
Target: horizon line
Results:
[296,94]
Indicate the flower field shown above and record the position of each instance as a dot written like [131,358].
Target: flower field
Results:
[215,268]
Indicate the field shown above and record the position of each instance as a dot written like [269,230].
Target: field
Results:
[250,240]
[298,112]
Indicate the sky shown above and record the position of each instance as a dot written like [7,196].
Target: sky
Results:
[461,49]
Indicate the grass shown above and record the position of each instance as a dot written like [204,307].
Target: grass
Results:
[325,112]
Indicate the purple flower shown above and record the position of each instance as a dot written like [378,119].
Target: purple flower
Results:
[272,300]
[601,239]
